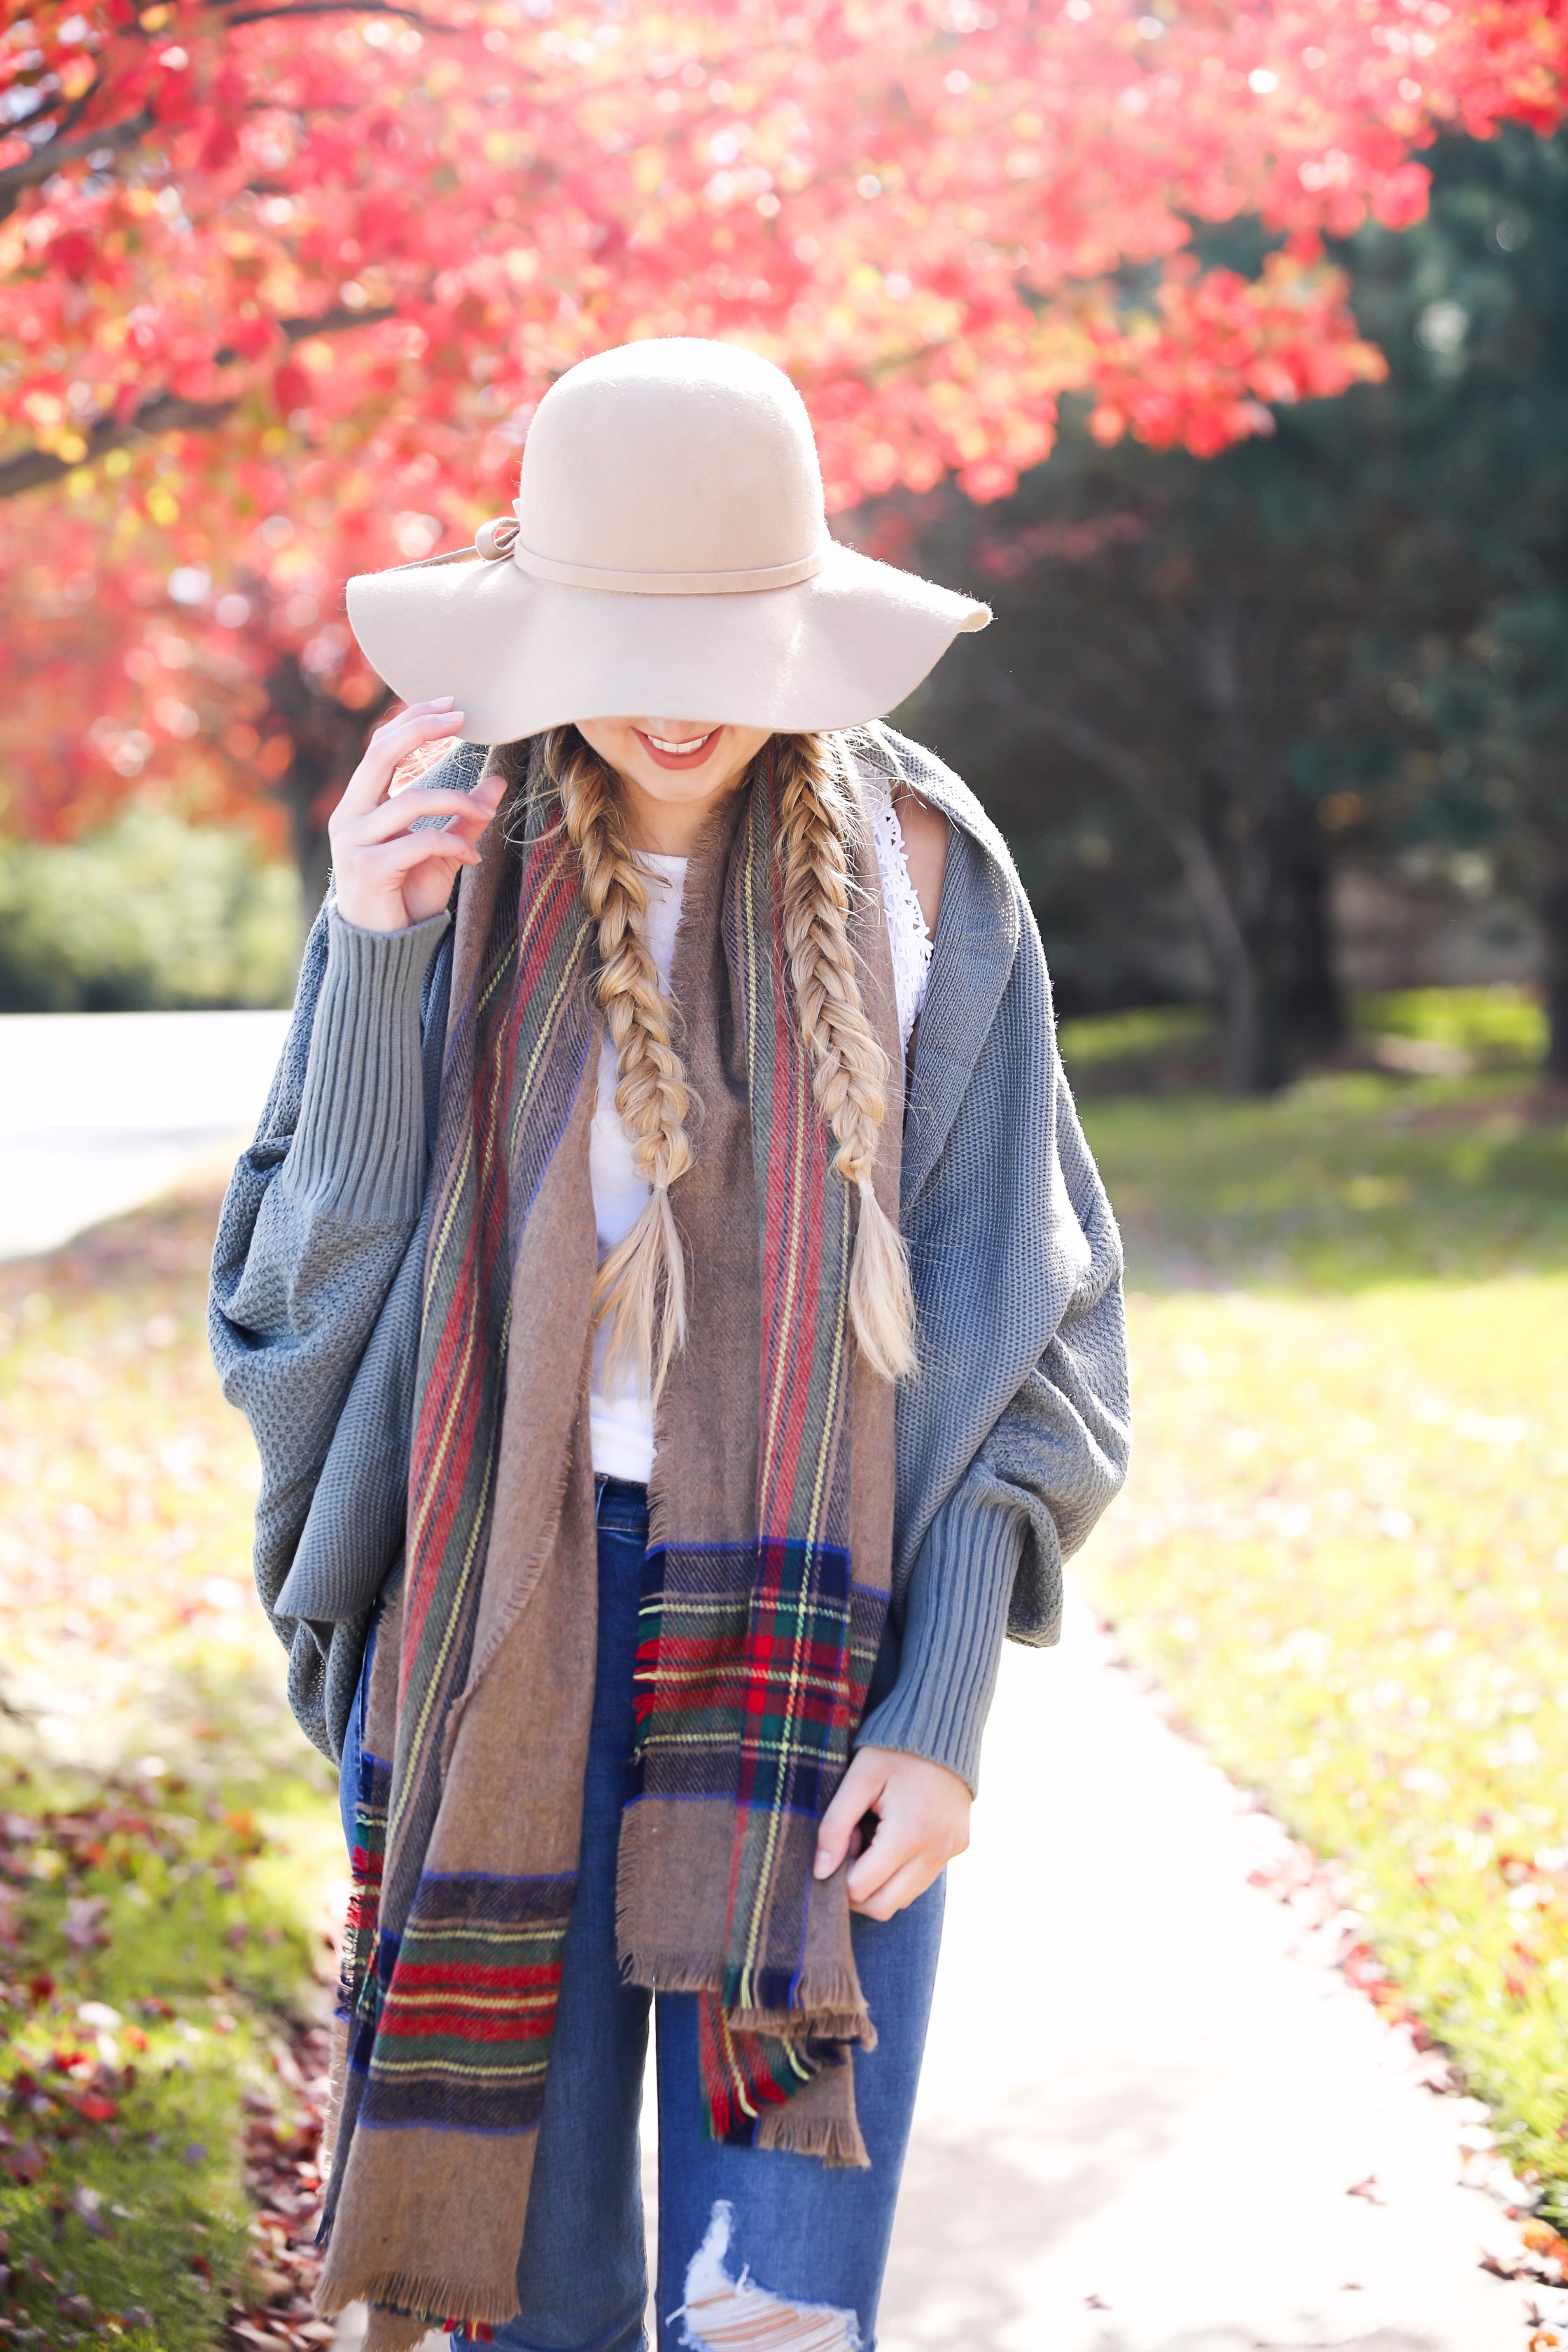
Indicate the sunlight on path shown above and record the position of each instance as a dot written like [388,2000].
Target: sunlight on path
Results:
[1142,2110]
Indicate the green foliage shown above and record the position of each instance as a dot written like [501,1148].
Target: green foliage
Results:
[1342,1545]
[149,913]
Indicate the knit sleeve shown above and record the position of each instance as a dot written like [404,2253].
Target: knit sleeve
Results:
[318,1218]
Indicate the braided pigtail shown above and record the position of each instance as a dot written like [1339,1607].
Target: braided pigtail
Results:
[641,1288]
[850,1069]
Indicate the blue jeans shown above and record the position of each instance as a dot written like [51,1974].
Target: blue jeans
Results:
[804,2234]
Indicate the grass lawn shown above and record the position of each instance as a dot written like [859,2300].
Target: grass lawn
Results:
[167,1839]
[1344,1545]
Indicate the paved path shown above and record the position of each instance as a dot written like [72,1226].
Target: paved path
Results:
[99,1111]
[1147,2094]
[1146,2098]
[1144,2102]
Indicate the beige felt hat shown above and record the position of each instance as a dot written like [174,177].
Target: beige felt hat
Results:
[669,559]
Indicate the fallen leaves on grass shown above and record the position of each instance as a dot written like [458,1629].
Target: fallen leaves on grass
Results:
[276,2314]
[126,1490]
[96,2095]
[162,1861]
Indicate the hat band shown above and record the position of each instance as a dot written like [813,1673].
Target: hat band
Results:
[500,540]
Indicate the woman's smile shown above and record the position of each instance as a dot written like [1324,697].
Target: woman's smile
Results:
[678,751]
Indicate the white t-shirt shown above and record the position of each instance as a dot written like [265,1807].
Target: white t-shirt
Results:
[620,1416]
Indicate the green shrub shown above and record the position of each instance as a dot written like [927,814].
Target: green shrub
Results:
[149,914]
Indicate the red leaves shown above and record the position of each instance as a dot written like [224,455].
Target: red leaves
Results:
[865,206]
[290,387]
[251,336]
[1399,197]
[94,2109]
[73,252]
[939,250]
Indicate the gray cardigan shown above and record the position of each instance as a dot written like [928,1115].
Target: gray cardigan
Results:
[1011,1441]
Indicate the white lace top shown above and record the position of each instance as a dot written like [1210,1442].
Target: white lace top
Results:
[908,936]
[620,1418]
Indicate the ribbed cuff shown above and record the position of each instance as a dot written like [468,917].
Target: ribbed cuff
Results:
[955,1620]
[359,1148]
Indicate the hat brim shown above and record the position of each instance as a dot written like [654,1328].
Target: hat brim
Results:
[519,655]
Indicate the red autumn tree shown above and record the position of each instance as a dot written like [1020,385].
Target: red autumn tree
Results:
[303,270]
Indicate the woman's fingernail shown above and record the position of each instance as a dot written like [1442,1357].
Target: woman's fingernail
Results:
[822,1866]
[443,701]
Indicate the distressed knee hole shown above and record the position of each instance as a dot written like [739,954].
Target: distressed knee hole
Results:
[724,2313]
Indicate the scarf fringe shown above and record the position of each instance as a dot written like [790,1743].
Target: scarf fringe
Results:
[391,2331]
[836,2139]
[337,2083]
[810,2024]
[400,2304]
[831,2008]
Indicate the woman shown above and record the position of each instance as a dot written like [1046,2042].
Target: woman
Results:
[665,1406]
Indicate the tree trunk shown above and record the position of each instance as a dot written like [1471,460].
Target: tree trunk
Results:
[1554,911]
[1240,983]
[1312,1000]
[1251,1041]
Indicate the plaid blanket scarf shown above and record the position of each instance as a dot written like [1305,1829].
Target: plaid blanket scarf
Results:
[764,1586]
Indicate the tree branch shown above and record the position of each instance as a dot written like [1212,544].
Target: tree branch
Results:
[46,161]
[167,412]
[334,8]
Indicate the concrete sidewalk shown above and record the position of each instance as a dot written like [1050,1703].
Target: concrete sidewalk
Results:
[1148,2099]
[101,1111]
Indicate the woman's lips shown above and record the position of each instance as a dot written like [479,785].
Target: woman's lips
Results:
[701,746]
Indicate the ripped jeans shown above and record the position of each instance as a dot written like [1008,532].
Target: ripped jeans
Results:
[755,2247]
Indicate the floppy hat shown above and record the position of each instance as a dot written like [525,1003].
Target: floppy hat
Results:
[667,554]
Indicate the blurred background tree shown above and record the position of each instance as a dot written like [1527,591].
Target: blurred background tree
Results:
[279,287]
[1344,639]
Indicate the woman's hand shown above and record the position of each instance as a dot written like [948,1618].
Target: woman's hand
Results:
[923,1821]
[387,876]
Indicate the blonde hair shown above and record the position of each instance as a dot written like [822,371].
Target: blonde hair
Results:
[850,1071]
[641,1288]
